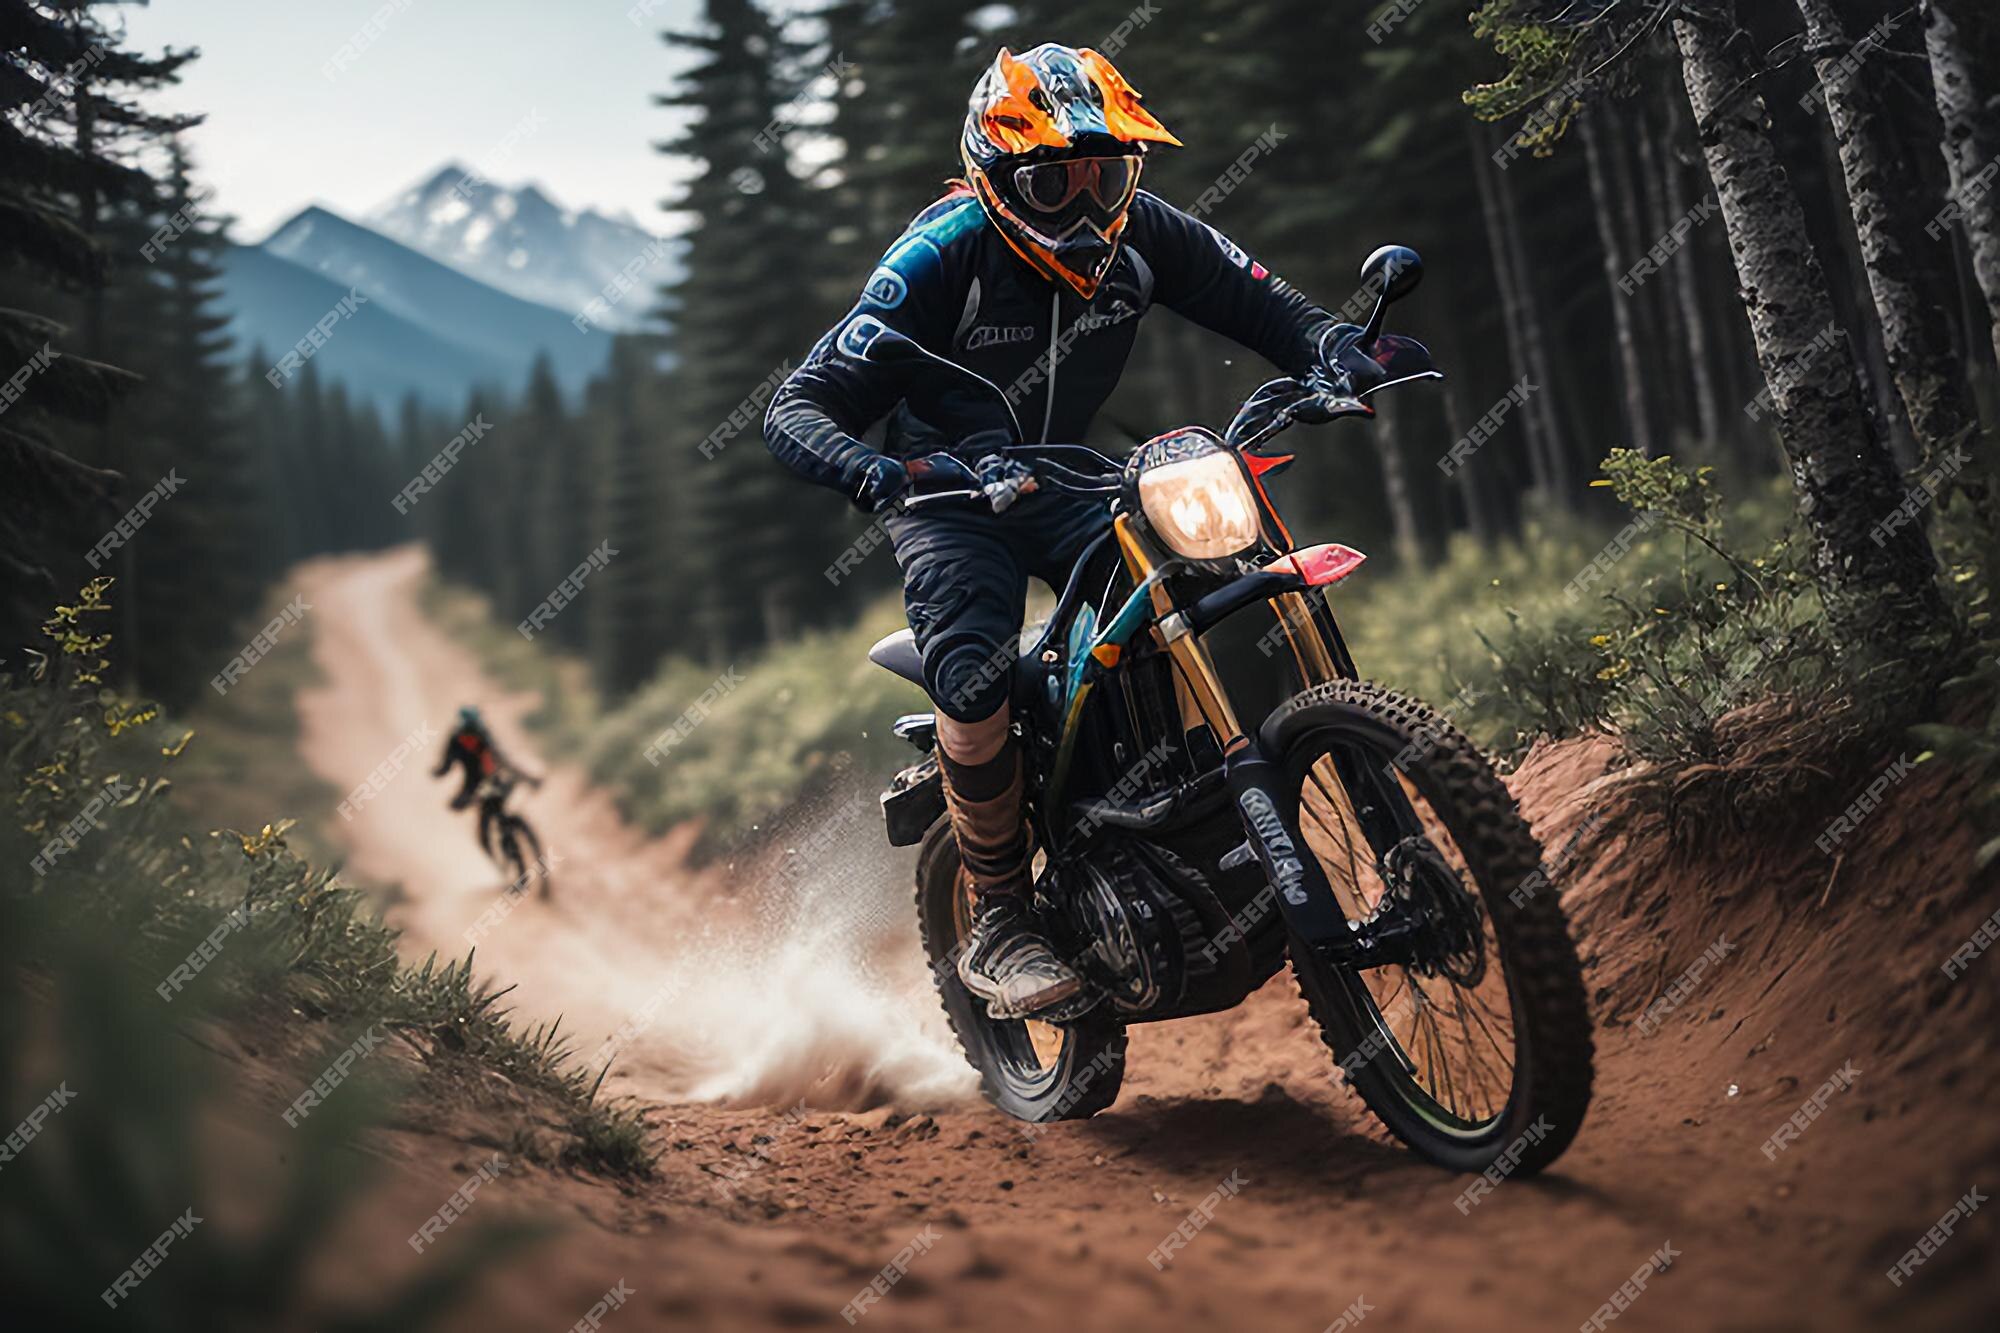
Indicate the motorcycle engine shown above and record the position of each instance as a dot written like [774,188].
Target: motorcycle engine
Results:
[1133,933]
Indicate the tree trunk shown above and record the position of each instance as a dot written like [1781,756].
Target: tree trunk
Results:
[1541,402]
[1885,195]
[1878,582]
[1469,492]
[1637,427]
[1510,308]
[1396,488]
[1962,36]
[1707,406]
[1661,210]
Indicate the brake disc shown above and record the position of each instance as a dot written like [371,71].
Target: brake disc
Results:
[1422,882]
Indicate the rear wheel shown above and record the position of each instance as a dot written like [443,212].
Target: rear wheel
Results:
[1030,1069]
[1478,1050]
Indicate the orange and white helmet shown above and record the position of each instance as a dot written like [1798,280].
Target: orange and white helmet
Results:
[1054,140]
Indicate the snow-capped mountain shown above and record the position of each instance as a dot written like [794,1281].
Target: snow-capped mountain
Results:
[526,244]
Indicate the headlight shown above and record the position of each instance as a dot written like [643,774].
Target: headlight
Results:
[1195,496]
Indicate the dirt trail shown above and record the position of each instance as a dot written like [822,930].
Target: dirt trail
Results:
[770,1219]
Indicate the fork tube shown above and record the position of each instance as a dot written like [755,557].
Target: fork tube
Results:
[1187,652]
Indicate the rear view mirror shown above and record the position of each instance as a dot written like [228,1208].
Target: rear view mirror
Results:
[1392,273]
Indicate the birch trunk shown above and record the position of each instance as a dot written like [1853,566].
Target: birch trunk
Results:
[1963,39]
[1878,581]
[1885,197]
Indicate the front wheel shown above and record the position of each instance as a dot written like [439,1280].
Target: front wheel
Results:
[1477,1050]
[1030,1069]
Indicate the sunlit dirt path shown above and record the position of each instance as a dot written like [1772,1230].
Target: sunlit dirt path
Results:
[774,1211]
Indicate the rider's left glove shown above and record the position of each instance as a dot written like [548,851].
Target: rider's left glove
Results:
[878,483]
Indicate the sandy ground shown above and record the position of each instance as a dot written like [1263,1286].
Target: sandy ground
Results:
[815,1122]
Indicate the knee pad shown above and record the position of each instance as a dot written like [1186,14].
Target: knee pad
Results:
[968,678]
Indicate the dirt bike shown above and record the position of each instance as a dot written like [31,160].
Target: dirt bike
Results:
[520,850]
[1214,790]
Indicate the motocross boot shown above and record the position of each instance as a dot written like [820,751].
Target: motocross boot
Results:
[1004,961]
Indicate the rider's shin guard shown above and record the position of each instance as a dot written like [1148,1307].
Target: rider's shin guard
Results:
[984,801]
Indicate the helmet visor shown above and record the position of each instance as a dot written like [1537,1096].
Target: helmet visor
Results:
[1053,189]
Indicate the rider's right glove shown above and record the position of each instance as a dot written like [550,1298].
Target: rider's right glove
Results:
[942,472]
[879,482]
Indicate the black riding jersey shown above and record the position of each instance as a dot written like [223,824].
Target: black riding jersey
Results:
[952,284]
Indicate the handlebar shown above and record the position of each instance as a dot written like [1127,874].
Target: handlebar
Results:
[1001,495]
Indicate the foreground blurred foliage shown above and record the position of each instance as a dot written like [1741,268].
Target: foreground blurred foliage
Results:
[103,896]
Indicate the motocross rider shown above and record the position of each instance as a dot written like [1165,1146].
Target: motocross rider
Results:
[1033,272]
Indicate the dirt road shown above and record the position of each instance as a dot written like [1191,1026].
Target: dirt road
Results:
[766,1018]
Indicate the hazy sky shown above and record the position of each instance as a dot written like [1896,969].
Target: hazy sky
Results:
[315,103]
